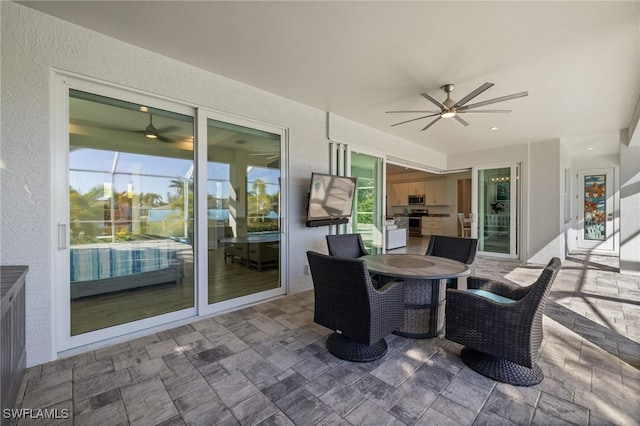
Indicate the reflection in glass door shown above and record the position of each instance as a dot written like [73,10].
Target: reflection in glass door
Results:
[367,208]
[130,180]
[243,211]
[496,211]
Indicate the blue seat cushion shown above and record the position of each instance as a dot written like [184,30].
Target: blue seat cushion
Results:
[492,296]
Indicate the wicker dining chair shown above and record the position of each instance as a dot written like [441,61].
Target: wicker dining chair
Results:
[349,246]
[500,326]
[347,303]
[461,249]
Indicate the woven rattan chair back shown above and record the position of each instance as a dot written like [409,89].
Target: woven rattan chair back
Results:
[461,249]
[349,246]
[346,300]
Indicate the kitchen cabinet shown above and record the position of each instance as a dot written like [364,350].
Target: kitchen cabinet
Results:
[416,188]
[436,193]
[399,195]
[433,225]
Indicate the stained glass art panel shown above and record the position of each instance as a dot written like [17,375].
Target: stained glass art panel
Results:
[595,203]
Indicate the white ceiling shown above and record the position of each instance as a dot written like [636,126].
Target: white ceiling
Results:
[579,61]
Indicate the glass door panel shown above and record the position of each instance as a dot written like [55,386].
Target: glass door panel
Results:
[130,212]
[595,207]
[367,209]
[243,211]
[496,211]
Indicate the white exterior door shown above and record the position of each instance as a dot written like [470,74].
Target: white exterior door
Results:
[595,210]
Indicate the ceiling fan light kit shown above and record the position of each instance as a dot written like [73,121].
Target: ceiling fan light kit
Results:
[450,108]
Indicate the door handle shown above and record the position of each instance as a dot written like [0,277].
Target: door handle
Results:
[62,236]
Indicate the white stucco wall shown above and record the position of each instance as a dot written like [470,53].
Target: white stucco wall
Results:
[32,44]
[545,227]
[352,133]
[629,209]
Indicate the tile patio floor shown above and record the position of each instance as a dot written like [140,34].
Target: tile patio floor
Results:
[267,365]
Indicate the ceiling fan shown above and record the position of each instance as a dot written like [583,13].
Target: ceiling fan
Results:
[153,133]
[451,109]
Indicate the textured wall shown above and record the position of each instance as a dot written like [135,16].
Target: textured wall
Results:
[630,209]
[32,45]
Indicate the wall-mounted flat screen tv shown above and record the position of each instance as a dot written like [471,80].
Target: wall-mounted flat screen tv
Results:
[330,199]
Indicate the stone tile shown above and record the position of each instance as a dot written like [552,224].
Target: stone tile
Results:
[185,339]
[260,370]
[333,419]
[396,369]
[560,409]
[175,332]
[379,392]
[369,413]
[211,412]
[38,384]
[195,398]
[277,419]
[234,388]
[414,403]
[322,384]
[254,409]
[488,418]
[67,363]
[106,415]
[47,397]
[152,408]
[433,377]
[100,384]
[141,389]
[506,406]
[453,410]
[144,341]
[182,385]
[160,349]
[146,369]
[209,356]
[302,407]
[467,394]
[282,384]
[310,368]
[342,399]
[95,402]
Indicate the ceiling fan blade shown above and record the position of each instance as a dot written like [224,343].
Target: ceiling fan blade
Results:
[472,95]
[460,120]
[414,119]
[431,124]
[434,100]
[486,111]
[167,129]
[421,112]
[493,101]
[165,139]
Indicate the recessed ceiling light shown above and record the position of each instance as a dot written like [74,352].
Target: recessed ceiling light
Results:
[590,148]
[493,128]
[144,109]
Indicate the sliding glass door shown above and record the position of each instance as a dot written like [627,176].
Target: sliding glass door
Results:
[243,210]
[495,224]
[163,212]
[127,233]
[367,219]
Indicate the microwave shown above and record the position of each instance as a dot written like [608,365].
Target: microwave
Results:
[416,199]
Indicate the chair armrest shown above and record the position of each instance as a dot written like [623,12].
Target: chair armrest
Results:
[493,286]
[485,315]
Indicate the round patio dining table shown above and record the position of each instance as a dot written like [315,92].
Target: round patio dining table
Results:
[425,280]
